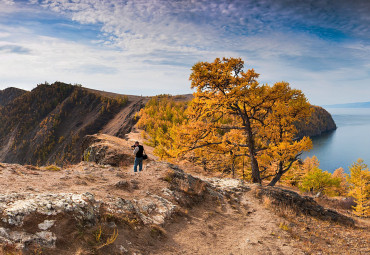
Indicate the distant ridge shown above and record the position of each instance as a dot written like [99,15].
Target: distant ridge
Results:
[349,105]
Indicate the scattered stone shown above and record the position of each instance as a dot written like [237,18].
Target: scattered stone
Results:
[47,239]
[81,182]
[134,184]
[122,185]
[122,249]
[46,224]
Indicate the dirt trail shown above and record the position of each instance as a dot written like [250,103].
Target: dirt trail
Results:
[210,231]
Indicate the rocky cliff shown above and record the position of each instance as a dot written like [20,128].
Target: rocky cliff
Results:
[319,122]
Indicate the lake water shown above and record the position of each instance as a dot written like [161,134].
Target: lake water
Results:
[351,140]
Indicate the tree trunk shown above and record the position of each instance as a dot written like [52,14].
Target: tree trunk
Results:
[256,178]
[233,170]
[275,179]
[255,170]
[277,176]
[243,170]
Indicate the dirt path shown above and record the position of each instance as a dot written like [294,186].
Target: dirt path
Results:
[208,230]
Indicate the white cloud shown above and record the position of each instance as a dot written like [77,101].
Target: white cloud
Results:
[7,2]
[50,59]
[151,45]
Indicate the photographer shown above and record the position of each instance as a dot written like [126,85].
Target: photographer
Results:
[138,152]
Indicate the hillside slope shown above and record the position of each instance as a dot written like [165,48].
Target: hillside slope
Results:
[162,210]
[47,124]
[9,94]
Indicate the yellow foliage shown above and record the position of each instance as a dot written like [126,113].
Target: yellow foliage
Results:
[234,114]
[343,185]
[317,180]
[233,124]
[359,187]
[160,118]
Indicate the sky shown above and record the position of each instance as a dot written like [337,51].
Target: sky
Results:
[148,47]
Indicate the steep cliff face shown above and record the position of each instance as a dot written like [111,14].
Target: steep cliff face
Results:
[319,122]
[47,124]
[9,94]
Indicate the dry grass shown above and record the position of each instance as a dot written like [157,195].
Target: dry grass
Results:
[266,201]
[31,167]
[157,231]
[169,176]
[321,237]
[339,203]
[52,168]
[7,249]
[315,236]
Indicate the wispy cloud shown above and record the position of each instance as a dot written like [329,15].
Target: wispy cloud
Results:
[16,49]
[154,43]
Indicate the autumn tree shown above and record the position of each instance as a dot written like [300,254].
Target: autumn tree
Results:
[232,111]
[343,185]
[300,168]
[317,180]
[359,187]
[160,119]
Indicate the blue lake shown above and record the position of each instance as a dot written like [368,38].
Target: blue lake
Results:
[351,140]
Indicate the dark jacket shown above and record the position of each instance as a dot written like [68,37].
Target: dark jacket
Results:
[140,153]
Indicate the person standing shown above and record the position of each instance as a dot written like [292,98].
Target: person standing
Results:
[138,152]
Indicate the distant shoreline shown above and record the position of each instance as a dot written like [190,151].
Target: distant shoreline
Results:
[349,105]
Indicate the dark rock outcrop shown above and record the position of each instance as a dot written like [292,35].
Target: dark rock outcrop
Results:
[107,150]
[301,204]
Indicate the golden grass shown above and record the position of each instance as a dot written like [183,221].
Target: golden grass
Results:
[52,168]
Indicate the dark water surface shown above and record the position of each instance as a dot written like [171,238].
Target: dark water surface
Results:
[351,140]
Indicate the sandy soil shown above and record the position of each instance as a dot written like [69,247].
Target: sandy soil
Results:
[209,230]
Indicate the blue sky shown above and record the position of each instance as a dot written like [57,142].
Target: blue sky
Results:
[148,47]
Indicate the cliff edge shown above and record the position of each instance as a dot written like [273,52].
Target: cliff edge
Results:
[319,122]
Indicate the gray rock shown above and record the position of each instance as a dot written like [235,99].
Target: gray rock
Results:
[46,224]
[122,185]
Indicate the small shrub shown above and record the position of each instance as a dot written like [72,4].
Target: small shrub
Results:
[168,177]
[318,181]
[267,202]
[283,226]
[109,240]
